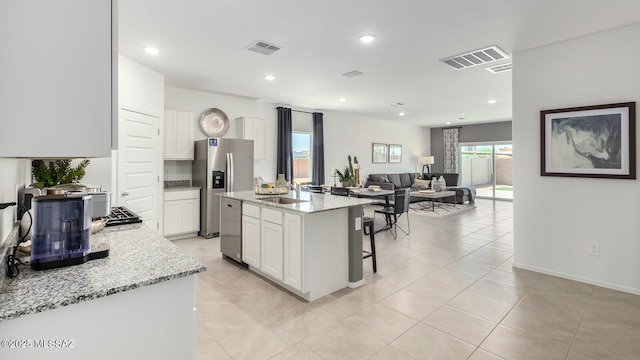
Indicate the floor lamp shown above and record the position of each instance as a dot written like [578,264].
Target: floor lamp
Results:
[426,161]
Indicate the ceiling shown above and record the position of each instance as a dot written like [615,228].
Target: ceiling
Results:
[203,46]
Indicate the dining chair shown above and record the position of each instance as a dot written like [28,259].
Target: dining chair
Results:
[394,212]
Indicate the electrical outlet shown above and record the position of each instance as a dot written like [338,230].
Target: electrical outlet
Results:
[594,248]
[358,224]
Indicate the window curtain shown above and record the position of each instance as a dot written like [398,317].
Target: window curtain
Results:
[285,146]
[450,150]
[317,162]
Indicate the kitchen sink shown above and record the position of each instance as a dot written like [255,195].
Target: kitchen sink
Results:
[283,200]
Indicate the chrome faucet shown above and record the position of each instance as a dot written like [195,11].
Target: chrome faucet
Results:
[296,188]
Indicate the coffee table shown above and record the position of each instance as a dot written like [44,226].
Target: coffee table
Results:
[433,195]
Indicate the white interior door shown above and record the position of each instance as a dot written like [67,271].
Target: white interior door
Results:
[138,165]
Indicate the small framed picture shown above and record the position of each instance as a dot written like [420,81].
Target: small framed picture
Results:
[379,153]
[395,153]
[591,141]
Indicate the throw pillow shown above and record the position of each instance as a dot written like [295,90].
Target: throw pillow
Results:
[421,184]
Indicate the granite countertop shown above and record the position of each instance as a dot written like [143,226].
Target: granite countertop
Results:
[138,256]
[179,185]
[312,202]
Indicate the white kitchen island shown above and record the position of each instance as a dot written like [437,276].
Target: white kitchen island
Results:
[311,246]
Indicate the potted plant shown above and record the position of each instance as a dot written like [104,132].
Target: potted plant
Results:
[347,176]
[56,172]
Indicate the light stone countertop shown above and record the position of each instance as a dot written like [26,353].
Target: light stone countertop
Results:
[138,256]
[312,202]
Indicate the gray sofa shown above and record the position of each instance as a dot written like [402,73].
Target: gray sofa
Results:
[407,180]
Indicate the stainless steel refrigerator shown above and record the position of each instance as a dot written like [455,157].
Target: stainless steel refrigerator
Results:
[220,165]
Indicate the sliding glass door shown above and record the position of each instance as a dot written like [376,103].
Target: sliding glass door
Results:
[487,167]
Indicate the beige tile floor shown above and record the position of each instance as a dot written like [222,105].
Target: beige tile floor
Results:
[446,291]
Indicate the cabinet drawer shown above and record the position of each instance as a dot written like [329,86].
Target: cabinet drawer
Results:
[251,210]
[272,216]
[181,194]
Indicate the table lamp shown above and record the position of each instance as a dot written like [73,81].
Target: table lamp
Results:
[426,161]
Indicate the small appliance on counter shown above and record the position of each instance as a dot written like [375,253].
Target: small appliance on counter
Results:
[101,199]
[61,231]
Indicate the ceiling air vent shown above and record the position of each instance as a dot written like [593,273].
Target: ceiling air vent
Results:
[475,57]
[263,48]
[500,68]
[352,73]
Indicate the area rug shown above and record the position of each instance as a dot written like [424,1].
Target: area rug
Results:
[441,210]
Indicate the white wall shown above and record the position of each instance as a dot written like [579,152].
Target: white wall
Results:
[348,134]
[235,107]
[555,218]
[345,134]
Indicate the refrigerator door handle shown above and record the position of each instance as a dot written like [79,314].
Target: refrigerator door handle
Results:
[230,172]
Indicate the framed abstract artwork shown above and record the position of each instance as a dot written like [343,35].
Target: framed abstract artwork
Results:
[395,153]
[591,141]
[378,153]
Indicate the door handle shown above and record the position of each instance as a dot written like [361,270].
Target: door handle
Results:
[124,193]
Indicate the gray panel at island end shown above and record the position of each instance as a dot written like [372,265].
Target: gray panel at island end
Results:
[356,275]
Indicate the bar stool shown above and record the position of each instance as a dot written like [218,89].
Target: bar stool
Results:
[367,227]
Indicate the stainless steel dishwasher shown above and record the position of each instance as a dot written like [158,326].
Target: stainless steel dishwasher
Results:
[231,228]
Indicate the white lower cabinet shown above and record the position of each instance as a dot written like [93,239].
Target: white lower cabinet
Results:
[251,235]
[293,251]
[271,242]
[181,213]
[305,253]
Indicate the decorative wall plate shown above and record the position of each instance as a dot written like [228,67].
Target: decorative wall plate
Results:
[214,122]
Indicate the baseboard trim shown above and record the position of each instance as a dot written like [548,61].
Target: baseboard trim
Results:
[579,278]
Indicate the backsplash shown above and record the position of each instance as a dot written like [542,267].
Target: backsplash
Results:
[177,183]
[15,173]
[177,170]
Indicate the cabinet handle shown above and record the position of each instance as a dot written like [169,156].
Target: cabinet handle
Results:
[124,193]
[229,205]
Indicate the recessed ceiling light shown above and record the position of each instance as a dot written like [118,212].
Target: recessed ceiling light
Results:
[492,101]
[269,77]
[367,38]
[151,50]
[448,123]
[401,114]
[343,99]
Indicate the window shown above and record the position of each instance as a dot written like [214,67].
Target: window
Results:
[302,156]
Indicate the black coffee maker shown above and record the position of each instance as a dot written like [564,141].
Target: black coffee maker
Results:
[61,230]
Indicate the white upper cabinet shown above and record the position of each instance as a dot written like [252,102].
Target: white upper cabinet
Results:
[178,135]
[254,129]
[56,78]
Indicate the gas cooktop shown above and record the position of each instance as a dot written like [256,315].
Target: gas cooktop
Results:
[120,215]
